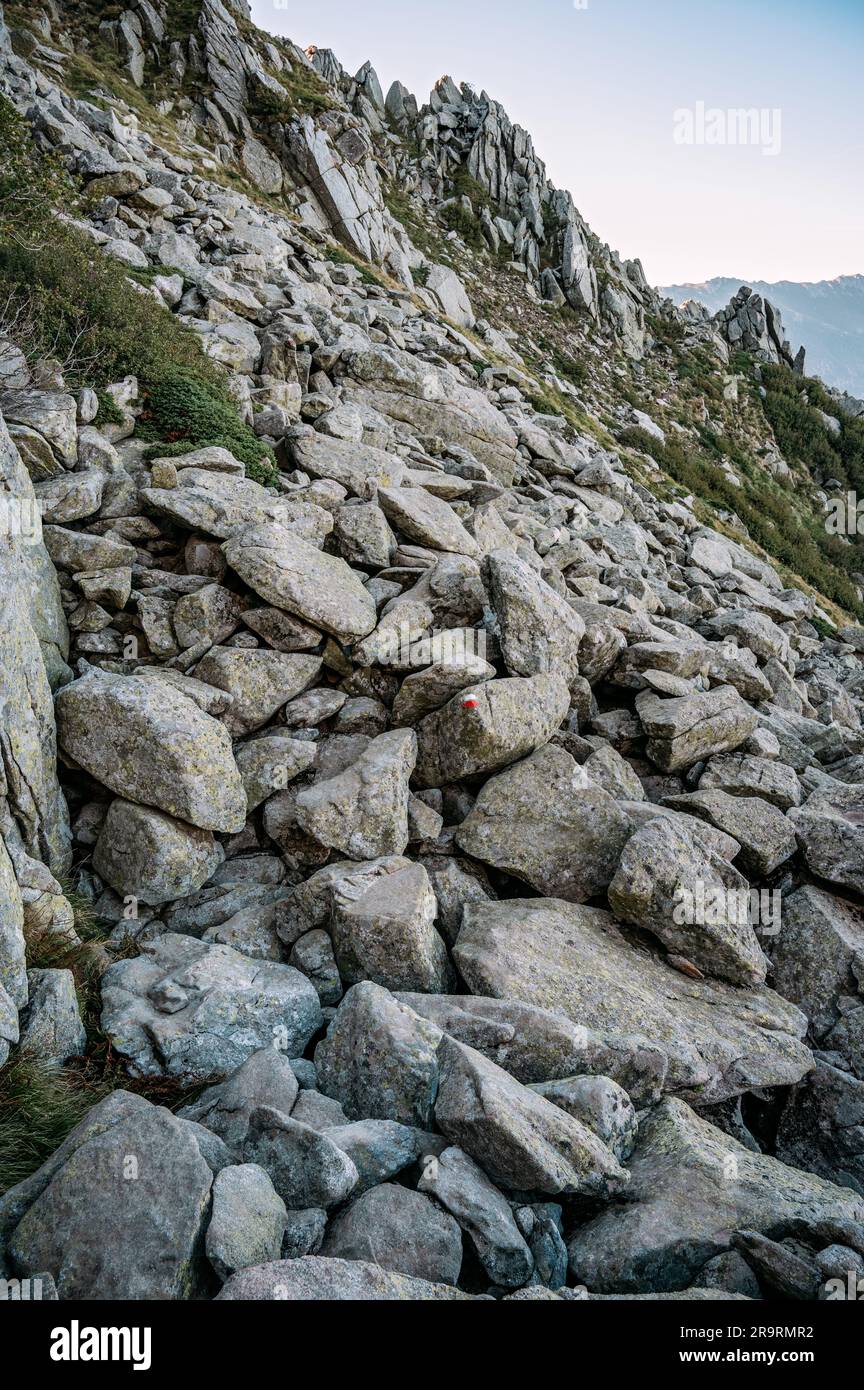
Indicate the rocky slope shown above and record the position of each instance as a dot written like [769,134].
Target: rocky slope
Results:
[395,720]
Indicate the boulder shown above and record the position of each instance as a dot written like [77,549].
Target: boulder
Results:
[484,1214]
[292,575]
[379,1059]
[655,887]
[119,1210]
[517,1137]
[691,1187]
[506,720]
[399,1230]
[719,1040]
[187,1009]
[307,1169]
[539,631]
[264,1079]
[152,745]
[247,1222]
[363,811]
[682,731]
[543,821]
[313,1279]
[144,854]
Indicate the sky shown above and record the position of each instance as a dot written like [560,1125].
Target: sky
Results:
[628,103]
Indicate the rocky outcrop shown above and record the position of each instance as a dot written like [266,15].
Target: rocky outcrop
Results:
[750,323]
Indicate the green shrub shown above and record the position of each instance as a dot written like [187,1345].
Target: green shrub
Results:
[61,298]
[109,412]
[188,412]
[787,530]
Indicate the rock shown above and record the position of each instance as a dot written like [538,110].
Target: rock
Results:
[258,682]
[778,1267]
[51,1027]
[306,1168]
[429,689]
[386,934]
[53,414]
[425,519]
[691,1187]
[112,587]
[766,838]
[819,955]
[13,951]
[248,1220]
[599,1103]
[264,1079]
[119,1210]
[144,854]
[607,769]
[435,401]
[539,631]
[451,294]
[317,1111]
[544,822]
[537,1045]
[186,1008]
[454,882]
[729,1273]
[559,956]
[8,1025]
[304,1232]
[313,954]
[291,574]
[821,1127]
[76,550]
[361,468]
[150,744]
[483,1213]
[510,719]
[682,731]
[314,1279]
[205,616]
[379,1059]
[71,497]
[221,504]
[34,647]
[743,774]
[399,1230]
[519,1139]
[363,811]
[364,535]
[832,840]
[379,1149]
[269,763]
[655,886]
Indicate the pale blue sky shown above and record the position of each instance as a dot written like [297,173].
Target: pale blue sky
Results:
[598,88]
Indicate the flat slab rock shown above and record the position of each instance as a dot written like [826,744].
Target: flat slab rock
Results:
[691,1187]
[316,1279]
[720,1041]
[185,1008]
[291,574]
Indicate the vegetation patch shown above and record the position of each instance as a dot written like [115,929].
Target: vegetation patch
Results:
[61,298]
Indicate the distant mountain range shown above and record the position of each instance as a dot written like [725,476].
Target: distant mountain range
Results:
[827,316]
